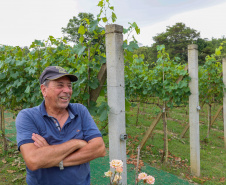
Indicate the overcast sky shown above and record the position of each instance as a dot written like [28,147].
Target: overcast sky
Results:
[23,21]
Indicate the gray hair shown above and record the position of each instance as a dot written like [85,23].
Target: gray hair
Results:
[46,83]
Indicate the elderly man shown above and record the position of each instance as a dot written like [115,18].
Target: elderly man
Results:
[57,139]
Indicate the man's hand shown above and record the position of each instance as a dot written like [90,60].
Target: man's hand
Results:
[39,141]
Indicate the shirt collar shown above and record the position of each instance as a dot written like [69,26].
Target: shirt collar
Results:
[44,113]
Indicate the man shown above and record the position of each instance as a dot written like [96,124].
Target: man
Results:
[57,139]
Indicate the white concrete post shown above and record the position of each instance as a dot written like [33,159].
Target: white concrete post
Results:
[224,99]
[116,95]
[194,110]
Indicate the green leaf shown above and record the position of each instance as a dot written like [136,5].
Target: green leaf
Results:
[81,39]
[112,8]
[104,19]
[79,49]
[92,108]
[103,111]
[113,17]
[81,30]
[93,25]
[137,30]
[102,59]
[145,92]
[101,3]
[94,84]
[103,115]
[132,45]
[125,30]
[27,89]
[52,39]
[160,47]
[15,75]
[37,43]
[87,21]
[134,25]
[218,51]
[2,76]
[124,45]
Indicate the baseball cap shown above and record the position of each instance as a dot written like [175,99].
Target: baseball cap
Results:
[55,72]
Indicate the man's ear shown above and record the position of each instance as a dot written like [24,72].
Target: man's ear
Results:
[43,89]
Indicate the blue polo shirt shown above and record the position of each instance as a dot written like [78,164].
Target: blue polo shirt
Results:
[79,125]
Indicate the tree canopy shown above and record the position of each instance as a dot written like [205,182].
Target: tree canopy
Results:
[176,39]
[71,32]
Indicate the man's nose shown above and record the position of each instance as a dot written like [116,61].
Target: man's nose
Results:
[67,89]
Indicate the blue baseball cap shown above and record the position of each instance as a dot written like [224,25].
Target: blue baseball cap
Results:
[55,72]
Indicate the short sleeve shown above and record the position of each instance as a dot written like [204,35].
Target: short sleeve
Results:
[25,127]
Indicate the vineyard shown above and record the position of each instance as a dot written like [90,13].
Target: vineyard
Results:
[149,89]
[145,86]
[21,68]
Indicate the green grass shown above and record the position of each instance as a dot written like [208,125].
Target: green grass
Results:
[12,166]
[212,152]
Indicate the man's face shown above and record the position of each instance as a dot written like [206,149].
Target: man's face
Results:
[58,93]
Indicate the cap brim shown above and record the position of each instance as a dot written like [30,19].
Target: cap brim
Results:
[73,78]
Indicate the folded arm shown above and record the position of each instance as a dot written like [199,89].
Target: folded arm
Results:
[42,155]
[94,149]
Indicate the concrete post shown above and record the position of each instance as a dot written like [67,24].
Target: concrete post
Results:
[116,95]
[194,110]
[224,99]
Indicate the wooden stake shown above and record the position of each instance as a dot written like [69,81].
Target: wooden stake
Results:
[3,129]
[156,120]
[209,120]
[216,115]
[138,112]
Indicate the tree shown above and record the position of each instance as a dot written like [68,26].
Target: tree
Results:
[176,39]
[145,53]
[71,31]
[81,29]
[207,48]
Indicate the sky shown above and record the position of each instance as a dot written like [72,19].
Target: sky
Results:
[23,21]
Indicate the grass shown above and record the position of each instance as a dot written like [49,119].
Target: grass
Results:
[12,166]
[212,152]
